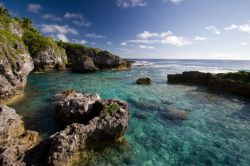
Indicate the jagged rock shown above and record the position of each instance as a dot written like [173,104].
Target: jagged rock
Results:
[143,81]
[14,140]
[73,107]
[15,65]
[83,64]
[15,28]
[50,59]
[11,124]
[236,83]
[108,122]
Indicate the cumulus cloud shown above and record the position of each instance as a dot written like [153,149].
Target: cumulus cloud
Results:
[58,29]
[213,29]
[79,41]
[62,37]
[200,38]
[34,8]
[131,3]
[163,38]
[95,36]
[244,43]
[109,43]
[51,17]
[174,1]
[78,19]
[146,47]
[123,44]
[242,28]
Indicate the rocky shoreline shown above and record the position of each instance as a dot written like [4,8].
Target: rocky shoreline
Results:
[87,118]
[235,83]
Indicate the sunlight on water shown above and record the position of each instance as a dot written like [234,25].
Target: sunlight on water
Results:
[216,130]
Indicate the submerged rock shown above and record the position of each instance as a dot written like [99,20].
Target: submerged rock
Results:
[14,140]
[91,120]
[144,81]
[175,114]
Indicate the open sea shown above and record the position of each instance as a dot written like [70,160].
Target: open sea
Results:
[216,131]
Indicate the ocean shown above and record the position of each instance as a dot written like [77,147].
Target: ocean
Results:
[216,130]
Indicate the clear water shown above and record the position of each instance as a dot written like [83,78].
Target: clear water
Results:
[217,131]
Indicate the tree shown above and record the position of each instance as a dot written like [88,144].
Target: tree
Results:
[27,23]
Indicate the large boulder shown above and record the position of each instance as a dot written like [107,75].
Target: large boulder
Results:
[74,107]
[83,64]
[106,120]
[15,65]
[143,81]
[14,140]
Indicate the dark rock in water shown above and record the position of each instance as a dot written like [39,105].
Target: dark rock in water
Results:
[174,114]
[83,64]
[104,120]
[73,107]
[236,83]
[14,140]
[143,81]
[140,116]
[77,56]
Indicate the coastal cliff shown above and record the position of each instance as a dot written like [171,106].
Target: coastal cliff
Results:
[236,83]
[15,60]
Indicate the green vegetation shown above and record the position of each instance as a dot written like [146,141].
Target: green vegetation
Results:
[241,76]
[109,109]
[37,43]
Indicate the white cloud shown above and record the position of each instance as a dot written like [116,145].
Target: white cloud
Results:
[244,44]
[62,37]
[242,28]
[164,38]
[213,29]
[109,43]
[78,19]
[34,8]
[61,29]
[174,1]
[95,36]
[146,35]
[79,41]
[131,3]
[51,17]
[200,38]
[146,47]
[123,44]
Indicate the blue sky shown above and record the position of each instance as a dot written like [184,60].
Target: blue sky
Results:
[169,29]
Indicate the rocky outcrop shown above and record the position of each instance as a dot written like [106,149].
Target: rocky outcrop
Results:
[83,64]
[14,140]
[73,107]
[97,59]
[15,65]
[143,81]
[98,120]
[236,83]
[52,58]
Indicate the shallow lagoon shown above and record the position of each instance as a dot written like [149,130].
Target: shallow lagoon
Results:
[216,132]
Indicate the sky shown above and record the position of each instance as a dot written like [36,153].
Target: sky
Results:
[151,29]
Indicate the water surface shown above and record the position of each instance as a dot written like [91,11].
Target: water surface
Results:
[217,131]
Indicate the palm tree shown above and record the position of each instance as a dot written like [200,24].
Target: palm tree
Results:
[27,22]
[4,11]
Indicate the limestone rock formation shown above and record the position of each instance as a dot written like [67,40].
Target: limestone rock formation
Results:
[143,81]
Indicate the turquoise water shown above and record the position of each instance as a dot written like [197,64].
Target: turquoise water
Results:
[216,132]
